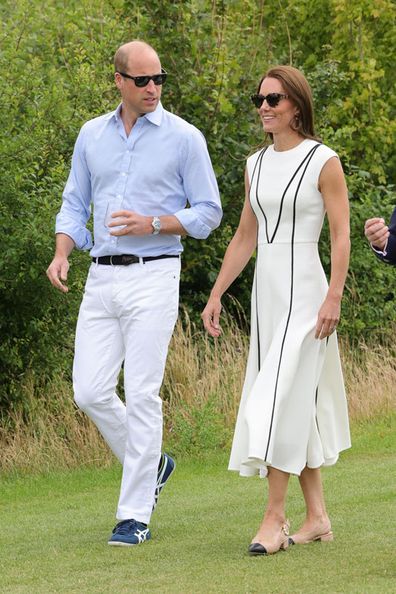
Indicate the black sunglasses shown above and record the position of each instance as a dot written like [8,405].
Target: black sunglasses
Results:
[272,99]
[143,81]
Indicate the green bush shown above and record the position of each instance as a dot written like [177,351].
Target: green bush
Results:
[56,70]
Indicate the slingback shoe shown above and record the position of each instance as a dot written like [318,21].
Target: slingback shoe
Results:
[256,548]
[326,537]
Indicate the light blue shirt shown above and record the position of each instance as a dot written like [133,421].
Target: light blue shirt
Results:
[160,167]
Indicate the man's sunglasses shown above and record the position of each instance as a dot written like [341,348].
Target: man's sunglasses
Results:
[272,99]
[143,81]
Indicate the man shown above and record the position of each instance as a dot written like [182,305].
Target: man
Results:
[382,238]
[138,166]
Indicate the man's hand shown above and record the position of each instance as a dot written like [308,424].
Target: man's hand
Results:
[376,232]
[57,272]
[130,223]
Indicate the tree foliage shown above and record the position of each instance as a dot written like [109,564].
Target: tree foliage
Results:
[56,67]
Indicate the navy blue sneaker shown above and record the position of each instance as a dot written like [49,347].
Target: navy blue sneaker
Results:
[165,468]
[128,533]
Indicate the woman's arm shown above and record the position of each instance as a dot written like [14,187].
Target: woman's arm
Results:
[238,253]
[335,195]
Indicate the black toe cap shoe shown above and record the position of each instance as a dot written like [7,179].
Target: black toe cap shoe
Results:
[257,549]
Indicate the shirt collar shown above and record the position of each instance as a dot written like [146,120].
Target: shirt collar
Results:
[155,117]
[116,113]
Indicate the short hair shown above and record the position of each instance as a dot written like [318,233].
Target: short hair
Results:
[121,56]
[297,88]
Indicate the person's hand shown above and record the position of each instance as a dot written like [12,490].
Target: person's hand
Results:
[130,223]
[211,316]
[57,272]
[328,317]
[376,232]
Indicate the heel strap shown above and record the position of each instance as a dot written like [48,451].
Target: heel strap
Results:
[285,528]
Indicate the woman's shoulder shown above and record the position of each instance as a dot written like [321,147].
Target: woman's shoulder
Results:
[253,157]
[325,151]
[321,155]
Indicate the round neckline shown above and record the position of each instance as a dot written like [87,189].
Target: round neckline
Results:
[291,149]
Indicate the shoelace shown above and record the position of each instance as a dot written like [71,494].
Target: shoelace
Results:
[124,526]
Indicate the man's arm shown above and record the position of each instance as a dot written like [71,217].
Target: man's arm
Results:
[200,187]
[71,221]
[201,190]
[76,200]
[59,267]
[128,222]
[391,246]
[382,238]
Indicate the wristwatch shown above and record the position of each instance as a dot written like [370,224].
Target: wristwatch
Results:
[156,224]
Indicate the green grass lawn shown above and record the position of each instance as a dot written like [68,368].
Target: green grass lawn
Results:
[54,531]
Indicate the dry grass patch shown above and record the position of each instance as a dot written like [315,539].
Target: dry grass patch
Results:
[201,394]
[370,377]
[51,433]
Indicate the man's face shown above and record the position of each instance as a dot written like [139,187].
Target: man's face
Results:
[140,100]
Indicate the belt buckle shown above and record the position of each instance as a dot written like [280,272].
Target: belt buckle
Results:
[111,261]
[126,259]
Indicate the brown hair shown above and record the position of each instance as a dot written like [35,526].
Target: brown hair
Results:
[296,86]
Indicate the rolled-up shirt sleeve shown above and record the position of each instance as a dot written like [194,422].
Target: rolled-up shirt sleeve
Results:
[200,186]
[76,199]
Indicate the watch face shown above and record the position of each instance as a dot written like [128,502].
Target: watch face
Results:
[156,223]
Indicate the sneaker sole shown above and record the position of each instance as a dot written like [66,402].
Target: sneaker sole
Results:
[125,544]
[119,543]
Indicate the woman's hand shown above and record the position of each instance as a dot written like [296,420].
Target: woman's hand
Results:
[211,316]
[328,317]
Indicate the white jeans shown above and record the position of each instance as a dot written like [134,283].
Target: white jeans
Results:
[128,314]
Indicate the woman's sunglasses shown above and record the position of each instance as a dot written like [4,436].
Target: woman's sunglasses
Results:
[143,81]
[272,99]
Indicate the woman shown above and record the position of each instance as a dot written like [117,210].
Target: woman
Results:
[293,416]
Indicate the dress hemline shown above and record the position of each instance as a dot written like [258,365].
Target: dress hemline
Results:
[257,466]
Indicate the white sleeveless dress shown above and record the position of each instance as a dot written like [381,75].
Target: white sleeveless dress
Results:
[293,410]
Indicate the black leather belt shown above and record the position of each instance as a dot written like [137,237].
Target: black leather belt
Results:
[126,259]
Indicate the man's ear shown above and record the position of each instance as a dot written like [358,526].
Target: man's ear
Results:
[117,79]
